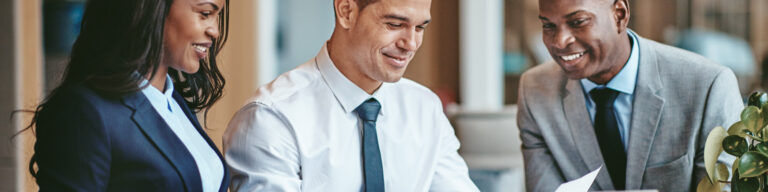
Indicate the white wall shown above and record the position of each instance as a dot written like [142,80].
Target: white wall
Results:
[480,69]
[302,27]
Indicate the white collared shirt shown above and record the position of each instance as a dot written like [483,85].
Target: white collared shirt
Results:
[300,133]
[208,163]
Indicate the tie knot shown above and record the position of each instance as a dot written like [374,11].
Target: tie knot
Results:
[603,96]
[369,110]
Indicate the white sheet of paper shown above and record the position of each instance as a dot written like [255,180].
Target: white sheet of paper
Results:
[581,184]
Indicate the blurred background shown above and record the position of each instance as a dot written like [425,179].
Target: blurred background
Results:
[472,56]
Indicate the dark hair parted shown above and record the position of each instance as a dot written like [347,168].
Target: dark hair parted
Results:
[364,3]
[119,38]
[121,42]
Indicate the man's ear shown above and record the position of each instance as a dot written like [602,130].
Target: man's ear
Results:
[621,14]
[346,12]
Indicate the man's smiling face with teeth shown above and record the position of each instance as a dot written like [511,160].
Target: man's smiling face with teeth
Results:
[587,38]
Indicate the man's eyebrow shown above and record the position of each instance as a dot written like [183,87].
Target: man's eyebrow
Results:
[397,17]
[566,16]
[574,13]
[405,19]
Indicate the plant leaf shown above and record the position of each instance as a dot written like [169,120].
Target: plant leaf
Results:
[757,99]
[745,183]
[752,164]
[721,171]
[762,147]
[764,134]
[706,186]
[754,138]
[735,168]
[738,129]
[735,145]
[764,115]
[712,149]
[752,119]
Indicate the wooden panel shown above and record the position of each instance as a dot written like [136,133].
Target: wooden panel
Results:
[522,35]
[759,37]
[29,81]
[238,63]
[759,22]
[436,64]
[651,18]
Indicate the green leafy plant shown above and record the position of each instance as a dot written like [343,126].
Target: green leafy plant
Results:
[748,141]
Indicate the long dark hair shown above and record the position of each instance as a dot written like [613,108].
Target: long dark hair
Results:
[121,42]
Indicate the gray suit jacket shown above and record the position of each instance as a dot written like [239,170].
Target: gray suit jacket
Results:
[679,97]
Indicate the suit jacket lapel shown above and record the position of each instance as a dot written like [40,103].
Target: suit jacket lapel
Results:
[158,132]
[646,112]
[583,132]
[192,117]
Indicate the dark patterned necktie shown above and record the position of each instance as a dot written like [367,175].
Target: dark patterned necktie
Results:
[607,132]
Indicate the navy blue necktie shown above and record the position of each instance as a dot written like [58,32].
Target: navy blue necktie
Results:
[374,173]
[607,132]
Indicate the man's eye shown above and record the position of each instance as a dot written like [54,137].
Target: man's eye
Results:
[548,26]
[578,22]
[205,13]
[395,25]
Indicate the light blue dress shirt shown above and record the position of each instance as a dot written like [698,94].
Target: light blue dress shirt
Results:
[208,163]
[624,82]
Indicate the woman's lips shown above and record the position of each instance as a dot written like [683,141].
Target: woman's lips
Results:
[201,49]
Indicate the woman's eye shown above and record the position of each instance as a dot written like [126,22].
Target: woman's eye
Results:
[205,13]
[548,26]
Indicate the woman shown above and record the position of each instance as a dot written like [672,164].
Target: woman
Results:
[123,118]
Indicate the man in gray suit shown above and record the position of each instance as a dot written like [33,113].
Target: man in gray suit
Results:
[639,109]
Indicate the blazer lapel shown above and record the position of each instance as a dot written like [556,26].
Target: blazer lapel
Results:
[646,112]
[193,118]
[583,132]
[158,132]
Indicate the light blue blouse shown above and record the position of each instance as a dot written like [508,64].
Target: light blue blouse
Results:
[210,166]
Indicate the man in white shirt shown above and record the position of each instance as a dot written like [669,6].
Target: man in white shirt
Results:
[346,120]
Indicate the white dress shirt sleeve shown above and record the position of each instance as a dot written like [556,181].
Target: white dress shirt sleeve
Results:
[261,152]
[451,173]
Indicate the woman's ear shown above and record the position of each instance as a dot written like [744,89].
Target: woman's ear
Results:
[346,12]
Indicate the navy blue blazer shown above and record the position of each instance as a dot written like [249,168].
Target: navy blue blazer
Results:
[86,142]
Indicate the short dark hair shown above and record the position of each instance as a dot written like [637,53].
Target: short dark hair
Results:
[364,3]
[360,3]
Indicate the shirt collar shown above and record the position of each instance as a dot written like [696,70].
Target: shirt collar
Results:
[347,93]
[626,79]
[157,98]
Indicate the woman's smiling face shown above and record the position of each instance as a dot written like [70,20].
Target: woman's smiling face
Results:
[190,27]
